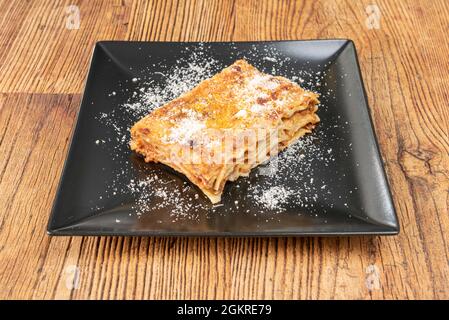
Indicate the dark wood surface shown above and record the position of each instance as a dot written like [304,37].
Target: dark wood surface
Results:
[405,67]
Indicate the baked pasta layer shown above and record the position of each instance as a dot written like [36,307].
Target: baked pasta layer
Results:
[226,125]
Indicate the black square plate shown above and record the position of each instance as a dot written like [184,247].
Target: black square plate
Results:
[331,182]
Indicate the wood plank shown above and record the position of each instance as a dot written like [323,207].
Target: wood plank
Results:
[33,145]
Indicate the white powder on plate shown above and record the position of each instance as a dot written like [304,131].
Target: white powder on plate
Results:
[161,83]
[274,198]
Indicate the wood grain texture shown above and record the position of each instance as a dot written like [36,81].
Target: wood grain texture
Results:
[405,67]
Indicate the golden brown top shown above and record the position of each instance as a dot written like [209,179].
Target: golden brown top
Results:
[238,97]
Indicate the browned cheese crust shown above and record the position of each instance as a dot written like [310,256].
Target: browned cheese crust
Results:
[238,100]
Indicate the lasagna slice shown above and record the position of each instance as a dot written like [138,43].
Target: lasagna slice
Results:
[225,126]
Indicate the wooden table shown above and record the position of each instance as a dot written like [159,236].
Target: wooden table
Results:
[43,63]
